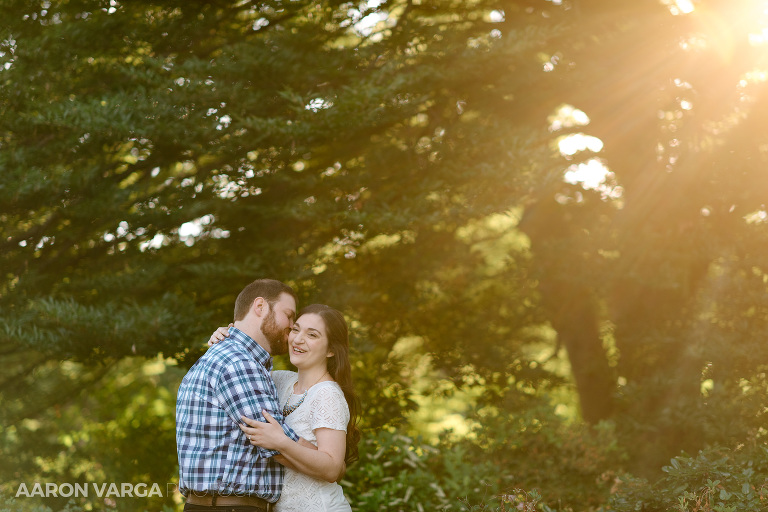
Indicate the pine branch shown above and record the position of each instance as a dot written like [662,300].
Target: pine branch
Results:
[63,396]
[13,382]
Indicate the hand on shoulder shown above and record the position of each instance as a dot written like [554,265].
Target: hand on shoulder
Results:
[219,335]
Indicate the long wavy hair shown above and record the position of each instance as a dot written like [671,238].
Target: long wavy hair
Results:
[340,369]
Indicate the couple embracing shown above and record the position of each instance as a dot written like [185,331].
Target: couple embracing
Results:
[248,436]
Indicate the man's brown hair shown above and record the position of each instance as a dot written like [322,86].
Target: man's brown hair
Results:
[269,289]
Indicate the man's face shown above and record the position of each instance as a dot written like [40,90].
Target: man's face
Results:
[277,324]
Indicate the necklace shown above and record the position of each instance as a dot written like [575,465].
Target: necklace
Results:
[288,409]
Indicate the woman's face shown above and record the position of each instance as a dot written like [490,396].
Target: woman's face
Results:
[308,342]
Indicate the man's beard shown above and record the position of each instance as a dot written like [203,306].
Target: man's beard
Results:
[277,339]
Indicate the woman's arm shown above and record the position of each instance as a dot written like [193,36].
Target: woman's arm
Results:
[325,463]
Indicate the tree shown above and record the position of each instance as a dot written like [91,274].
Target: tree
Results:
[671,267]
[157,156]
[286,138]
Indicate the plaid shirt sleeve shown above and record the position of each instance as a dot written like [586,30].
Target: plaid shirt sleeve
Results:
[246,388]
[230,380]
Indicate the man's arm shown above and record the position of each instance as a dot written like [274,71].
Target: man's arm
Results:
[245,389]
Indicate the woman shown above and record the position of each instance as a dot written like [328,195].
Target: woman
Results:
[319,403]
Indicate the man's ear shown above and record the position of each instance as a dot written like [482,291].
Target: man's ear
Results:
[330,354]
[260,306]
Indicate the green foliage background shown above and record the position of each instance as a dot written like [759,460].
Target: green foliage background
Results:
[519,332]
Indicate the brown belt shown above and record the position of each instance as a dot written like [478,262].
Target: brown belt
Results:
[214,500]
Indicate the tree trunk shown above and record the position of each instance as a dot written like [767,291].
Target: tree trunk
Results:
[569,299]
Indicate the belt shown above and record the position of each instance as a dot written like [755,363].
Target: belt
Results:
[211,499]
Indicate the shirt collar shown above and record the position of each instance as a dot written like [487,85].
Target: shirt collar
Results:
[257,351]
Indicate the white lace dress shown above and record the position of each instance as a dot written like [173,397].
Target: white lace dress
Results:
[323,407]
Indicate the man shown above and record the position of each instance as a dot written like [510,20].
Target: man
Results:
[217,464]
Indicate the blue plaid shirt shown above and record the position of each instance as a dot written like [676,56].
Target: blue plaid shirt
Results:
[231,379]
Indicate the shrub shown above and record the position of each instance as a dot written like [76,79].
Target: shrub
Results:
[716,480]
[532,460]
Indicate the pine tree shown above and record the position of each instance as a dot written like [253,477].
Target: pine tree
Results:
[397,160]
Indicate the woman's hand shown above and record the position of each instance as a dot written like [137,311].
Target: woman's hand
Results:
[218,335]
[324,461]
[268,435]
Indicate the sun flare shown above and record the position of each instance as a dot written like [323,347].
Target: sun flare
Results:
[714,40]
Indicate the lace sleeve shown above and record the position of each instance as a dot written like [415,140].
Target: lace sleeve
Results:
[329,409]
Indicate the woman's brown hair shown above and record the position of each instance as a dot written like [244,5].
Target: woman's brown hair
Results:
[340,369]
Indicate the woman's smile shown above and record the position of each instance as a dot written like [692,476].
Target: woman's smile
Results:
[308,342]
